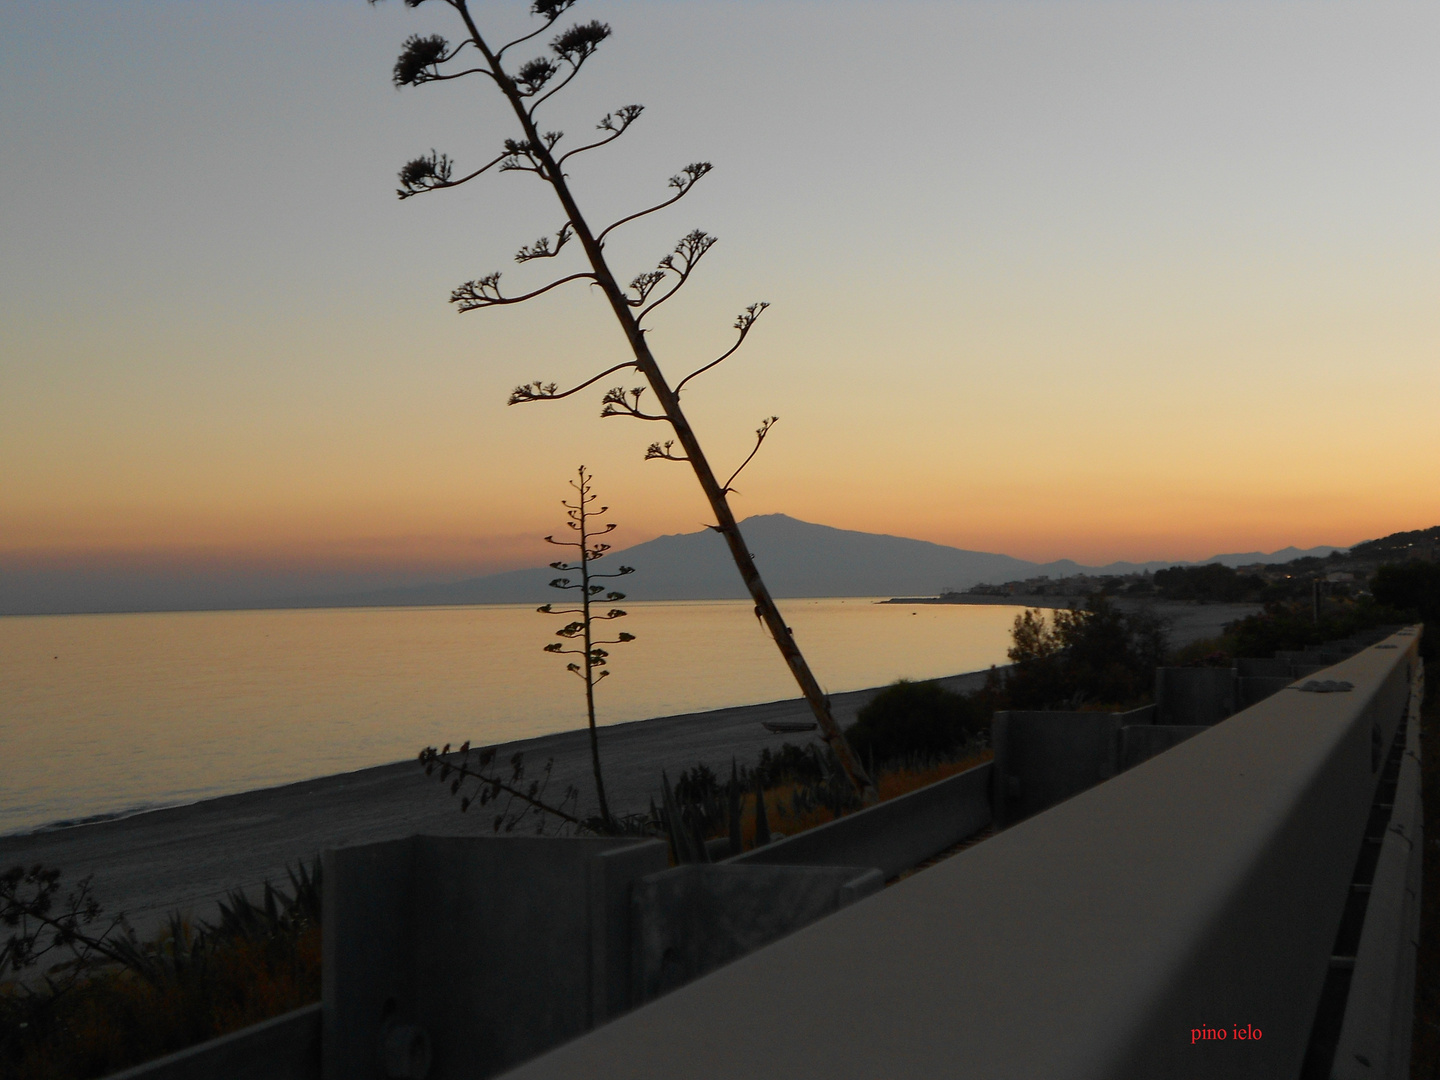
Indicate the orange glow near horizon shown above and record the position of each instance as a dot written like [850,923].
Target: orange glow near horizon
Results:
[448,549]
[1148,282]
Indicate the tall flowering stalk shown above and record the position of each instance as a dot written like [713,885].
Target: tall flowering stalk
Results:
[526,88]
[581,632]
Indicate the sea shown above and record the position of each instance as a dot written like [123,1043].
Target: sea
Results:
[107,715]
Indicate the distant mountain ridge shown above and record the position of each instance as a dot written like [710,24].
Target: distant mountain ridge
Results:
[797,558]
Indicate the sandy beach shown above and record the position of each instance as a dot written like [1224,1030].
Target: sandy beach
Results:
[187,857]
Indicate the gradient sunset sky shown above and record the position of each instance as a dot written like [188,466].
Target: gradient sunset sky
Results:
[1059,279]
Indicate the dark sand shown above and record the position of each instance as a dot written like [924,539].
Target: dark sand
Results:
[187,857]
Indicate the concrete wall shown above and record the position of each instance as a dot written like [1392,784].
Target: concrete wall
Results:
[1273,667]
[1202,888]
[891,836]
[285,1048]
[1195,695]
[1139,743]
[477,953]
[1252,689]
[1375,1035]
[692,919]
[1146,714]
[489,949]
[1043,758]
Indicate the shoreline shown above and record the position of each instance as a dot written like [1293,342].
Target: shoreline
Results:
[986,600]
[190,855]
[844,705]
[1051,600]
[1186,621]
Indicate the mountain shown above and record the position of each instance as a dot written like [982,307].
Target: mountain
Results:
[1284,555]
[1401,545]
[798,558]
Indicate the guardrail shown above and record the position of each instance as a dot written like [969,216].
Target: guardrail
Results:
[1175,921]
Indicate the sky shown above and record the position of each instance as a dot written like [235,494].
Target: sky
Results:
[1059,279]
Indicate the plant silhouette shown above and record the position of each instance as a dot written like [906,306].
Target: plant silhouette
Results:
[525,88]
[525,797]
[592,653]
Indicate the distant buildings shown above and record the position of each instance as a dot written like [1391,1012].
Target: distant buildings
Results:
[1075,585]
[1340,573]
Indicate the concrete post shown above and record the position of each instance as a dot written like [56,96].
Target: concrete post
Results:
[462,956]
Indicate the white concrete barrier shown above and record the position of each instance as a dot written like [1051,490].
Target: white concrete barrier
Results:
[1113,936]
[1374,1042]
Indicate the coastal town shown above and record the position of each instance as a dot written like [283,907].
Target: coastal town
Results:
[1342,573]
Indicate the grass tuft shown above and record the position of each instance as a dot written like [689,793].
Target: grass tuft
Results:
[194,985]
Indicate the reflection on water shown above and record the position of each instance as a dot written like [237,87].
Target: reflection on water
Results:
[105,713]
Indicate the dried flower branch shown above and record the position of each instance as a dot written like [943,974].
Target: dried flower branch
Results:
[491,784]
[760,433]
[592,652]
[525,89]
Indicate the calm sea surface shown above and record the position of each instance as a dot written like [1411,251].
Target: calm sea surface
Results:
[104,714]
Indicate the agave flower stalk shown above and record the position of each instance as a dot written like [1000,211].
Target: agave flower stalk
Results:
[526,88]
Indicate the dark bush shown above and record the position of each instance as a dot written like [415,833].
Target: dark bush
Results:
[1293,626]
[114,1000]
[914,720]
[791,764]
[1414,588]
[1098,656]
[698,784]
[1213,581]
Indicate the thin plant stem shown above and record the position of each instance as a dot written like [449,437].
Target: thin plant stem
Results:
[645,362]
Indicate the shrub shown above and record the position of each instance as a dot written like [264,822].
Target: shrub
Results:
[916,720]
[1213,581]
[1100,655]
[1293,626]
[790,764]
[1413,587]
[1206,652]
[118,1001]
